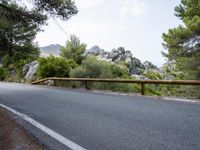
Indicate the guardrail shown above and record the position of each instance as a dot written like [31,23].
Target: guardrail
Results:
[142,82]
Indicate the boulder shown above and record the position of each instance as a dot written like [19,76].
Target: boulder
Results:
[29,70]
[135,66]
[49,83]
[117,54]
[149,65]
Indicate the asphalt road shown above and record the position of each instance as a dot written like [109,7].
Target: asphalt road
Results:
[99,121]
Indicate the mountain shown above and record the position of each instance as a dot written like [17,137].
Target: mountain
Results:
[96,50]
[135,66]
[53,49]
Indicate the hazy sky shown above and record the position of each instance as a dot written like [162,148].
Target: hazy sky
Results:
[135,24]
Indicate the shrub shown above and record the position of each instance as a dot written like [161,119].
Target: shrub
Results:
[153,75]
[119,71]
[78,73]
[55,67]
[93,68]
[2,74]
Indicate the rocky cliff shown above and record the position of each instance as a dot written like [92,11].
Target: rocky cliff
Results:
[136,67]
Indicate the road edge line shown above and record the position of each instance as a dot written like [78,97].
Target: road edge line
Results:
[46,130]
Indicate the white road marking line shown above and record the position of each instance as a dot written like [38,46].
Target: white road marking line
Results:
[45,129]
[182,100]
[110,93]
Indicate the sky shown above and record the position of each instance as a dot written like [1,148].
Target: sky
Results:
[137,25]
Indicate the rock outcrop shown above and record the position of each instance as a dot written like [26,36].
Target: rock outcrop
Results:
[149,65]
[30,69]
[135,66]
[49,83]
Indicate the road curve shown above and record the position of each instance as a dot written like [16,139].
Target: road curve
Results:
[98,121]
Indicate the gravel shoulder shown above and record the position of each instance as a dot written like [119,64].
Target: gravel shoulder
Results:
[13,136]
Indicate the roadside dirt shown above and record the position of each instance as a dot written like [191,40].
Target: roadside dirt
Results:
[13,136]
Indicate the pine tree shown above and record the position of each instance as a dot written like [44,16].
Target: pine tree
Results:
[19,26]
[16,32]
[74,49]
[183,42]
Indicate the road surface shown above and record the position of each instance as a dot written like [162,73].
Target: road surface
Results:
[98,121]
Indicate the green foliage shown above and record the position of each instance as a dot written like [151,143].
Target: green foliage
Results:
[55,67]
[119,71]
[189,66]
[17,34]
[79,72]
[64,9]
[183,42]
[182,91]
[74,49]
[23,55]
[150,74]
[170,70]
[2,73]
[93,68]
[19,26]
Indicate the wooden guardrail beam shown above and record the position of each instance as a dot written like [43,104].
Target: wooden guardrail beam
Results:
[39,81]
[142,82]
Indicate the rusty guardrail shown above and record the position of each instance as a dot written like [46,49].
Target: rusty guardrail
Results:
[142,82]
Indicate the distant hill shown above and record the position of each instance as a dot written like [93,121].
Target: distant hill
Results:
[53,49]
[96,50]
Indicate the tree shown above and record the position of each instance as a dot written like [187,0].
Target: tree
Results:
[18,25]
[16,35]
[74,49]
[64,9]
[183,42]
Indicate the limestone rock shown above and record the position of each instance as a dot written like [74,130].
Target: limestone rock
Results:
[29,70]
[135,66]
[149,65]
[49,82]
